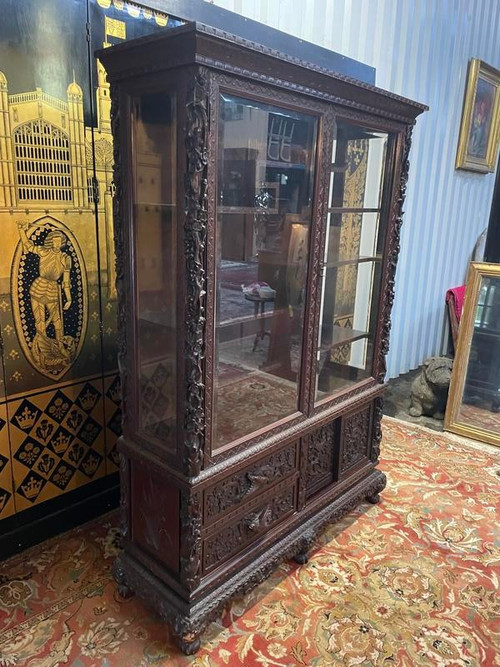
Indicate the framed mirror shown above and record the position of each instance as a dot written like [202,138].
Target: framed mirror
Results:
[473,408]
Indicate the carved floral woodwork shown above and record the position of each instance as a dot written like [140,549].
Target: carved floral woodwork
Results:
[195,231]
[234,537]
[355,437]
[322,451]
[230,491]
[233,511]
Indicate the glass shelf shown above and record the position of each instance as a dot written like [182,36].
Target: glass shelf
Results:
[352,268]
[343,336]
[352,260]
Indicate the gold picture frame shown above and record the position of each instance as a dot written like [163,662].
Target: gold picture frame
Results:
[480,128]
[473,408]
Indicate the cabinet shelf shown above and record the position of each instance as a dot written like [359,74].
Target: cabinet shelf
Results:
[243,319]
[341,336]
[353,260]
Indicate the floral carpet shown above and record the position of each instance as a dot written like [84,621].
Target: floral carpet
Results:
[412,581]
[474,415]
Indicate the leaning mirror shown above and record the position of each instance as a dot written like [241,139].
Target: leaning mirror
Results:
[474,401]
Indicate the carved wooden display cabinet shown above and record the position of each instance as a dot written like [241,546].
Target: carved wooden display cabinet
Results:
[258,209]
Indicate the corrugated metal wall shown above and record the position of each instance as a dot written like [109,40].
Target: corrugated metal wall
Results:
[420,49]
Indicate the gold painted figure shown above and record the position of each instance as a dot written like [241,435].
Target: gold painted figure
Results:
[51,353]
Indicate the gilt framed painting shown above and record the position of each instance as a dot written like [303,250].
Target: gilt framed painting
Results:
[480,129]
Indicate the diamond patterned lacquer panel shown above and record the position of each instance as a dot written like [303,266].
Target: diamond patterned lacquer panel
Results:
[57,442]
[6,495]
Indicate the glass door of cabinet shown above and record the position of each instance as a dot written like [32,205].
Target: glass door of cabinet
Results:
[154,134]
[352,271]
[266,157]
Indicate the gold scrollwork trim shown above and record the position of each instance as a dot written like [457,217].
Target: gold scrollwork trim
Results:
[479,69]
[477,271]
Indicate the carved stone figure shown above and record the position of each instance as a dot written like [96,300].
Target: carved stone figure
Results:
[429,390]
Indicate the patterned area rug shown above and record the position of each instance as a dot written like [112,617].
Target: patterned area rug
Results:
[250,402]
[412,581]
[474,415]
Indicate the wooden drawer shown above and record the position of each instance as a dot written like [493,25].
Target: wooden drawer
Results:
[227,494]
[260,516]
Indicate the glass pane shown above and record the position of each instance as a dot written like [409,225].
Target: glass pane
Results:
[481,395]
[266,158]
[358,167]
[154,135]
[350,292]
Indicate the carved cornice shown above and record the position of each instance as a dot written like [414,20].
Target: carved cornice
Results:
[195,233]
[296,88]
[392,254]
[206,45]
[266,50]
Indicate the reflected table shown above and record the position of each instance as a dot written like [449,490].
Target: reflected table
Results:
[259,304]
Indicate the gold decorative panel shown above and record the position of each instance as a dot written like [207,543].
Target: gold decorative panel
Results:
[57,441]
[60,418]
[6,494]
[49,293]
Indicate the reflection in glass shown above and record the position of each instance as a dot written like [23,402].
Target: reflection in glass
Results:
[266,157]
[352,260]
[154,136]
[358,167]
[481,395]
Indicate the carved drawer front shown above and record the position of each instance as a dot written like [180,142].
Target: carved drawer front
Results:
[261,514]
[229,492]
[355,441]
[322,449]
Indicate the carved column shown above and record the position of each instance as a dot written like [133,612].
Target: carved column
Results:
[195,233]
[119,249]
[392,254]
[190,554]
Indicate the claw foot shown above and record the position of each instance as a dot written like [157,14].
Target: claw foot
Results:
[301,558]
[189,644]
[119,576]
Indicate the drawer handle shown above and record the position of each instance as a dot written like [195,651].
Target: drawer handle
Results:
[256,480]
[259,520]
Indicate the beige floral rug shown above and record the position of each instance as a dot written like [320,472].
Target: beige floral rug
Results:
[412,581]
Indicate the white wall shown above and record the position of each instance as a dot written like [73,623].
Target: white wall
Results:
[420,49]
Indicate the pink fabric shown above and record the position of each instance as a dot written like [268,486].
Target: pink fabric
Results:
[458,294]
